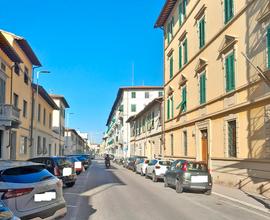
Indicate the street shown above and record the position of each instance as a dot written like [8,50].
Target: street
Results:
[118,193]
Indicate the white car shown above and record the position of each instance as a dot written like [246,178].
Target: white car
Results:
[30,191]
[141,167]
[156,169]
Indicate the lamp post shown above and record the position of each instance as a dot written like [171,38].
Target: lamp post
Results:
[38,73]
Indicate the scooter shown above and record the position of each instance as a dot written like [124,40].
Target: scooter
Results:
[107,164]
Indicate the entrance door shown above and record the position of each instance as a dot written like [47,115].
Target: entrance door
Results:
[13,145]
[204,142]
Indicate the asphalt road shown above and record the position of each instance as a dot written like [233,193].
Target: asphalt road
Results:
[119,194]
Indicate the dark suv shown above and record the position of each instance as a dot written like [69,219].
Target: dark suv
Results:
[61,167]
[189,175]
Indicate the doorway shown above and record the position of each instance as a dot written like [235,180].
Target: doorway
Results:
[13,145]
[204,143]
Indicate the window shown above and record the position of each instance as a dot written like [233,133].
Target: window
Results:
[170,30]
[160,94]
[170,108]
[171,67]
[23,146]
[180,57]
[202,88]
[2,91]
[182,11]
[39,112]
[229,67]
[202,32]
[26,77]
[44,148]
[232,138]
[44,116]
[133,108]
[228,10]
[184,99]
[146,95]
[268,47]
[3,67]
[121,108]
[133,95]
[185,143]
[15,100]
[17,69]
[39,150]
[172,153]
[185,51]
[24,108]
[50,120]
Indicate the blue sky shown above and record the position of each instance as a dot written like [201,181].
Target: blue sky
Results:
[89,47]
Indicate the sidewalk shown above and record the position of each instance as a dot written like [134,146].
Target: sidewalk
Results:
[251,200]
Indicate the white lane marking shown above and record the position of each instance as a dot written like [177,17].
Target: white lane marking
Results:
[242,202]
[72,206]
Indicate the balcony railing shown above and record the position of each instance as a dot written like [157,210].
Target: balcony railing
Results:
[9,116]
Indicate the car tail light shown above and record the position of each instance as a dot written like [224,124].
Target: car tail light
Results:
[56,171]
[13,193]
[157,167]
[184,168]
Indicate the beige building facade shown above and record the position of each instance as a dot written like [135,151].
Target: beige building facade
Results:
[146,130]
[216,85]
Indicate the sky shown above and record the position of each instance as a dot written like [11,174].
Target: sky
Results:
[89,48]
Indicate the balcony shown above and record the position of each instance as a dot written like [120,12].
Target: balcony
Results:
[9,116]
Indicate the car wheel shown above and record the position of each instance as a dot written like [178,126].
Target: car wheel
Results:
[70,184]
[208,192]
[154,177]
[165,182]
[178,187]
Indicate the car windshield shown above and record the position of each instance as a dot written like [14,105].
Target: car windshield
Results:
[165,163]
[62,162]
[196,166]
[26,174]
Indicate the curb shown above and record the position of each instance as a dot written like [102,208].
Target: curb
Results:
[243,203]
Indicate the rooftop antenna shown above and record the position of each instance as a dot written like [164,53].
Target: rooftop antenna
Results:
[132,81]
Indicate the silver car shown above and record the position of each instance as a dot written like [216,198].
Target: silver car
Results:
[5,213]
[31,191]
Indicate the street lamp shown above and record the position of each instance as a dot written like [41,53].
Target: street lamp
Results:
[38,73]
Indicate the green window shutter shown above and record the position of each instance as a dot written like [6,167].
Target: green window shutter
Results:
[180,13]
[171,67]
[227,69]
[230,73]
[168,33]
[168,108]
[172,106]
[231,9]
[184,8]
[185,52]
[228,10]
[184,99]
[180,57]
[268,47]
[202,32]
[202,88]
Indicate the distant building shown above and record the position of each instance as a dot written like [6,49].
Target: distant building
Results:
[74,143]
[129,101]
[146,136]
[59,124]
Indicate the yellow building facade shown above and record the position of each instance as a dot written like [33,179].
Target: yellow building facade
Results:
[216,88]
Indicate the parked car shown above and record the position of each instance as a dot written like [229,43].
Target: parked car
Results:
[61,167]
[156,169]
[133,161]
[84,158]
[76,164]
[188,175]
[141,166]
[126,162]
[5,212]
[31,191]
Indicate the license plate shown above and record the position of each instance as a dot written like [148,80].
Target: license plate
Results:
[199,179]
[67,171]
[78,165]
[45,197]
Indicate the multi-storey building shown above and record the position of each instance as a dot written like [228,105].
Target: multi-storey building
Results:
[18,74]
[146,136]
[216,99]
[59,124]
[74,143]
[129,101]
[43,137]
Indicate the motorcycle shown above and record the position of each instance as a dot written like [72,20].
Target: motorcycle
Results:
[107,164]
